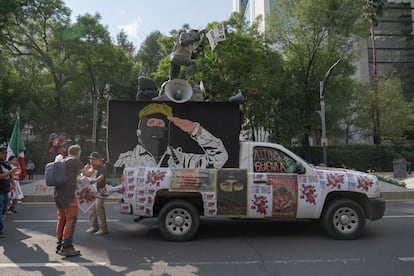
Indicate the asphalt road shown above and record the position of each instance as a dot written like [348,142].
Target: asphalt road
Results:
[222,247]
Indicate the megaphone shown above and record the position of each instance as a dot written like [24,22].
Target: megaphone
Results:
[178,91]
[238,98]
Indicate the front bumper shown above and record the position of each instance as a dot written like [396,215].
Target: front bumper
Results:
[375,208]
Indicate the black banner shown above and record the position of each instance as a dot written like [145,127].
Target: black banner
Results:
[167,134]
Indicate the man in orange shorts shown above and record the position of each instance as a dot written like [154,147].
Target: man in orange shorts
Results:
[67,208]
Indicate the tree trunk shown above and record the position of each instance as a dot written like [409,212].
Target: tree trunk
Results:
[377,126]
[374,52]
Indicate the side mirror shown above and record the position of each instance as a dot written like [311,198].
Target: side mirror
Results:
[300,169]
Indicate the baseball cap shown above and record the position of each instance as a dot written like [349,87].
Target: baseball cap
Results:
[94,155]
[3,149]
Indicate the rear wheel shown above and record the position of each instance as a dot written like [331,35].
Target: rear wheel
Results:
[178,220]
[344,219]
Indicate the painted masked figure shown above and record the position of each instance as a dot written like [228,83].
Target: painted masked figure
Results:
[154,150]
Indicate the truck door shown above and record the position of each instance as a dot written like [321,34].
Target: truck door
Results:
[274,179]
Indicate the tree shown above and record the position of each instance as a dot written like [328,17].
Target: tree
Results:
[8,10]
[100,63]
[243,62]
[150,53]
[7,102]
[35,32]
[312,35]
[126,45]
[61,66]
[396,115]
[372,9]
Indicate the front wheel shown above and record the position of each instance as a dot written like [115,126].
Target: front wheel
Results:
[344,219]
[178,220]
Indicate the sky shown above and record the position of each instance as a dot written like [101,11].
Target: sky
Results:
[138,18]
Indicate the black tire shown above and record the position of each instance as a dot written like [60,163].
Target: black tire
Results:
[344,219]
[178,220]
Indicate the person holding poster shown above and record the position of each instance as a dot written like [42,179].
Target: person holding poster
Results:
[97,216]
[153,149]
[16,191]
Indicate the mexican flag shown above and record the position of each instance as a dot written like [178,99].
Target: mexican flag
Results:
[16,148]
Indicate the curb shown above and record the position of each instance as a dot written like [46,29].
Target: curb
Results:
[49,198]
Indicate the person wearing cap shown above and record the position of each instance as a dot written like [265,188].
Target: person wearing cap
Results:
[153,149]
[97,216]
[6,171]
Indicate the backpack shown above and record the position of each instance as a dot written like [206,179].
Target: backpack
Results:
[55,173]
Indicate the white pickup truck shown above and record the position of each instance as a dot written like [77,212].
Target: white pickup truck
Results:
[271,183]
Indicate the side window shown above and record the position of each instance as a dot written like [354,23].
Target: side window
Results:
[270,160]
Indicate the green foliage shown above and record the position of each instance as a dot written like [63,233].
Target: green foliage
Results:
[57,67]
[371,10]
[390,180]
[358,157]
[126,45]
[244,62]
[53,68]
[313,34]
[383,104]
[150,53]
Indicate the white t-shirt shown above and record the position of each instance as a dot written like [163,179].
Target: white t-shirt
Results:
[59,158]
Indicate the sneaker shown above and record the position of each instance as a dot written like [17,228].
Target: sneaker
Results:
[2,235]
[101,232]
[58,248]
[91,230]
[69,252]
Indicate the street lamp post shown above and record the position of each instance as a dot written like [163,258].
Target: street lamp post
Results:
[107,95]
[94,120]
[322,85]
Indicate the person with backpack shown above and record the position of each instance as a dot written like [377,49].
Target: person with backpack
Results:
[67,208]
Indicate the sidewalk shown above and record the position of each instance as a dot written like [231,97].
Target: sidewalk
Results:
[395,192]
[36,191]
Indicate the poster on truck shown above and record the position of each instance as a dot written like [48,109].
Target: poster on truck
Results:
[232,192]
[285,196]
[192,180]
[196,135]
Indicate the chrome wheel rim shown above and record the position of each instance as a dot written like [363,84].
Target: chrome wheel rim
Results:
[178,221]
[345,220]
